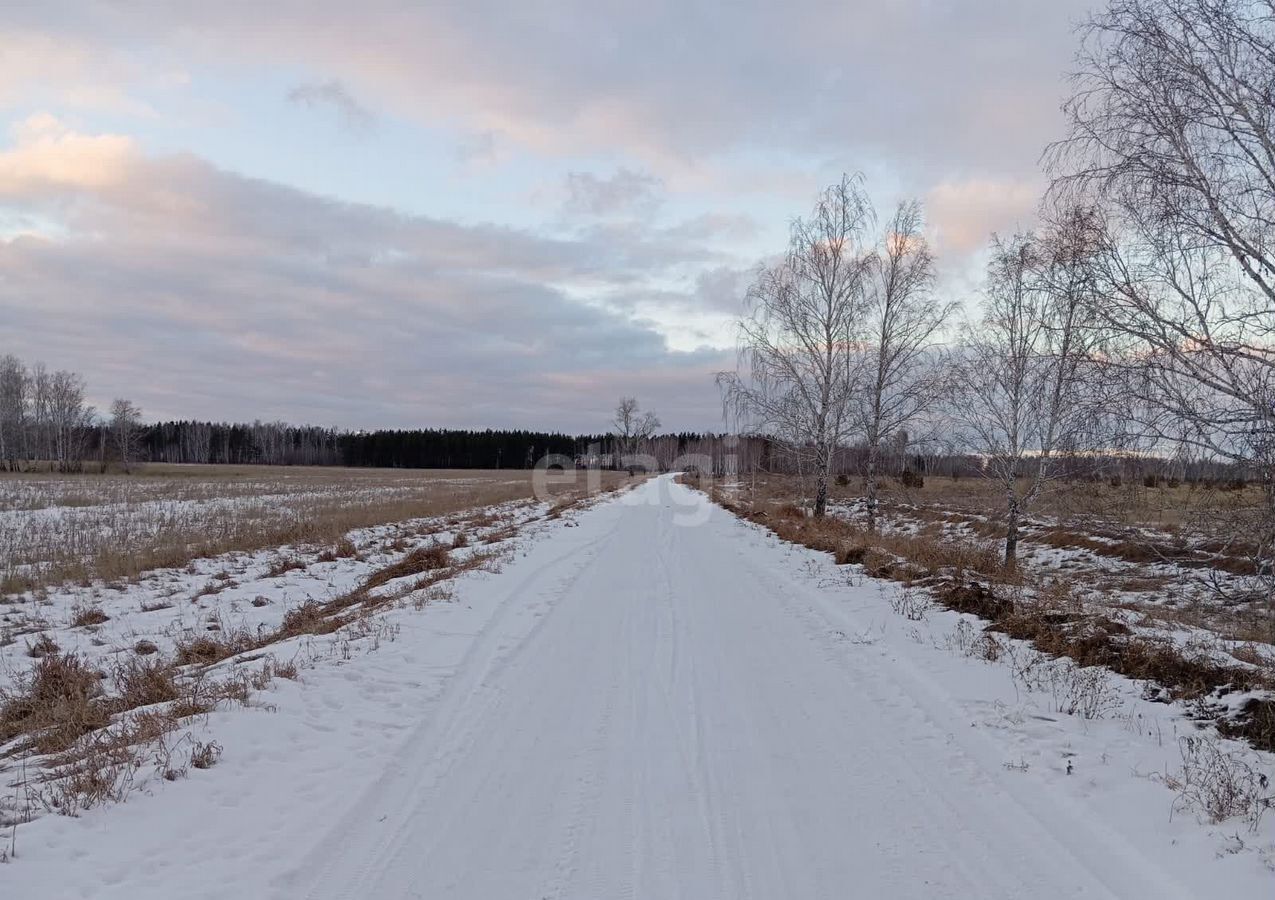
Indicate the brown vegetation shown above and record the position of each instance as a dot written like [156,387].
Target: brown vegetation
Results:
[424,559]
[87,616]
[113,529]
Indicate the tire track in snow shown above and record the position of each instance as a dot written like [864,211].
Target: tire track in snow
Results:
[463,697]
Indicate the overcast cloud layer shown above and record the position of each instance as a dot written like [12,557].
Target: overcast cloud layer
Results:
[474,214]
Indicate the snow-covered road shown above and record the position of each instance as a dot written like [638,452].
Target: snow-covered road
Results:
[677,727]
[662,703]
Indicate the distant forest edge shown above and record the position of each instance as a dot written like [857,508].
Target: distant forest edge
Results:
[45,423]
[425,448]
[94,446]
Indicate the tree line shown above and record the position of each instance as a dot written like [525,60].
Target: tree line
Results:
[43,415]
[45,422]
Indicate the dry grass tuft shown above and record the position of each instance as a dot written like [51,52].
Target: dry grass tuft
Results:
[342,549]
[310,617]
[205,755]
[424,559]
[84,617]
[141,682]
[43,646]
[1219,784]
[285,564]
[286,670]
[204,650]
[54,704]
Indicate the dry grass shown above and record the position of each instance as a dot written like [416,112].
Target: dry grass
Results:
[1152,562]
[902,557]
[342,549]
[1144,550]
[61,699]
[54,705]
[205,755]
[94,741]
[85,617]
[145,682]
[427,566]
[43,646]
[283,565]
[90,742]
[1219,784]
[1080,502]
[80,528]
[204,650]
[423,559]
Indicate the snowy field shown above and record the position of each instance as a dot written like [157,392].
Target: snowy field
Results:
[101,678]
[645,696]
[1204,608]
[110,528]
[1137,556]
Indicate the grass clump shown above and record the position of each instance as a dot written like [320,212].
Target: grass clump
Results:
[419,561]
[43,646]
[144,682]
[55,704]
[342,549]
[204,650]
[86,616]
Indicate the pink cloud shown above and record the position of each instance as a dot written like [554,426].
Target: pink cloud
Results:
[47,154]
[965,213]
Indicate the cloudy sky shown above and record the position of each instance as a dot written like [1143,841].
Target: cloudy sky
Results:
[475,213]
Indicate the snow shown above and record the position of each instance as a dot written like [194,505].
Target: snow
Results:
[662,701]
[226,593]
[1168,601]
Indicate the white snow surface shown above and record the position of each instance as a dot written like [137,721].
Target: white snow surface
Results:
[660,702]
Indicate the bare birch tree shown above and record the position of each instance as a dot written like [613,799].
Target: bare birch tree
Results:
[633,428]
[1020,401]
[1172,133]
[902,377]
[68,420]
[125,430]
[40,444]
[13,412]
[798,364]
